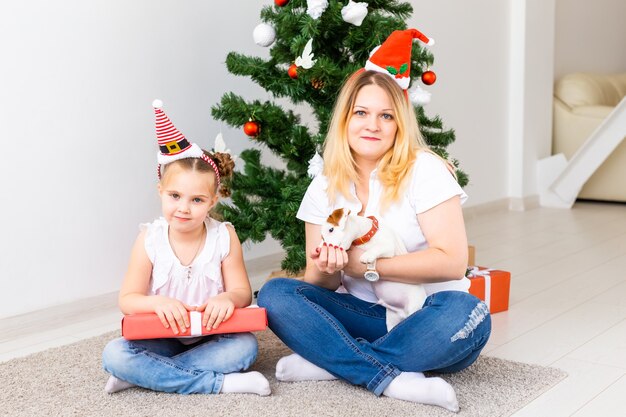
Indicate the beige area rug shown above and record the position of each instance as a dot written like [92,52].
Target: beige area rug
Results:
[69,381]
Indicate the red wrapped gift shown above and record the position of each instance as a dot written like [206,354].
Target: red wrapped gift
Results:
[490,285]
[149,326]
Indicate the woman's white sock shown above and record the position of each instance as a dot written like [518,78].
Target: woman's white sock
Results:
[115,384]
[246,383]
[414,387]
[295,368]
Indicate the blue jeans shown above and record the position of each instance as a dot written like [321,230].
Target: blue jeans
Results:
[170,366]
[348,336]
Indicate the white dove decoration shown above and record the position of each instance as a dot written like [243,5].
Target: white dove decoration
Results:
[306,60]
[220,146]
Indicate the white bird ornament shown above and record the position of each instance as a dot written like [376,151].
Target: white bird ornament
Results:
[306,60]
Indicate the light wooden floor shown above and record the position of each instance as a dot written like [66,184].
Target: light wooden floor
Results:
[568,304]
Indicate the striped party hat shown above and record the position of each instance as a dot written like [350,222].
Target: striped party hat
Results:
[173,145]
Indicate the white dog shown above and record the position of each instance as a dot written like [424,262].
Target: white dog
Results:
[342,229]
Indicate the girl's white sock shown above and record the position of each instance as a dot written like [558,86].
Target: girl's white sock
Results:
[246,383]
[295,368]
[414,387]
[115,384]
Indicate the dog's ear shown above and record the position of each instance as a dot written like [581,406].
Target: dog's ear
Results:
[343,219]
[335,217]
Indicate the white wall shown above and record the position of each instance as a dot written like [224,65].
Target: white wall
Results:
[590,36]
[471,92]
[78,79]
[78,171]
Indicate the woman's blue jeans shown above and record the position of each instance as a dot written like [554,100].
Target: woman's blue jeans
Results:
[348,336]
[170,366]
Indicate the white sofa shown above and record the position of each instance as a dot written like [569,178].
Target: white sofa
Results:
[581,102]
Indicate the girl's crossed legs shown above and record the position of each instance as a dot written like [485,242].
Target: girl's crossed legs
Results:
[211,365]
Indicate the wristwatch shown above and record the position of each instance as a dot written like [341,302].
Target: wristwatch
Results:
[370,273]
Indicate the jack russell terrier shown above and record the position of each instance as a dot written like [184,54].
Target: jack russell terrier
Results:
[344,230]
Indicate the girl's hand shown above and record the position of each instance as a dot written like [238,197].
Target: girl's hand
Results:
[329,259]
[173,313]
[216,310]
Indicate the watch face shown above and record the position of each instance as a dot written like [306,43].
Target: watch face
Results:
[371,276]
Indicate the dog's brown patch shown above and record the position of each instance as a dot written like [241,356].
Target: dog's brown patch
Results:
[335,216]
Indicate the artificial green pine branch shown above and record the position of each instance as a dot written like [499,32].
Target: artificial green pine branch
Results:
[265,200]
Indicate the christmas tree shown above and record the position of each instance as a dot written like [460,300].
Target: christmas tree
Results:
[314,46]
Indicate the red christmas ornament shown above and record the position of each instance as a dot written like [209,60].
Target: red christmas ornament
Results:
[429,77]
[281,3]
[293,71]
[252,128]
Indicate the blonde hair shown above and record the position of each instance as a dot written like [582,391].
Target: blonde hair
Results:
[395,166]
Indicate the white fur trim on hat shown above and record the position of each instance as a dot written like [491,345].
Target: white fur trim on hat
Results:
[402,82]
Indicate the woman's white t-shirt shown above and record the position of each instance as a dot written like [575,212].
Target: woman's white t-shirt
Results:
[431,183]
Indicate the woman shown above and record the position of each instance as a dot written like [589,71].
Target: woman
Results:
[376,163]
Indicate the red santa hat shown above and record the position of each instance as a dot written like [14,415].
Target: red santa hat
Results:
[172,143]
[393,57]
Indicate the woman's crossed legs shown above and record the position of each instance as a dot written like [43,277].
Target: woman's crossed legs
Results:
[338,335]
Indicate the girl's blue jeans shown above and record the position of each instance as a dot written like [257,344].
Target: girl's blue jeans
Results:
[170,366]
[348,336]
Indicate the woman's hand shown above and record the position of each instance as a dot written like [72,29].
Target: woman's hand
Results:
[329,259]
[216,310]
[321,262]
[173,313]
[354,267]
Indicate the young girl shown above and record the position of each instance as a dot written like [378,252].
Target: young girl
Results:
[186,261]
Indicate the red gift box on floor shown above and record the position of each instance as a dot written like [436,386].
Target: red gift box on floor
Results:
[490,285]
[149,326]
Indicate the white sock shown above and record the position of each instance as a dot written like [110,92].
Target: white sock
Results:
[414,387]
[246,383]
[115,384]
[295,368]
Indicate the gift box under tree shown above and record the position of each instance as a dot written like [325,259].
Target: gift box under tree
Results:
[490,285]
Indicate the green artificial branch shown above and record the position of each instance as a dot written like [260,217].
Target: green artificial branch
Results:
[265,200]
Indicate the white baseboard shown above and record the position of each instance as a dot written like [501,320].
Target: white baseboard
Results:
[525,203]
[504,204]
[59,315]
